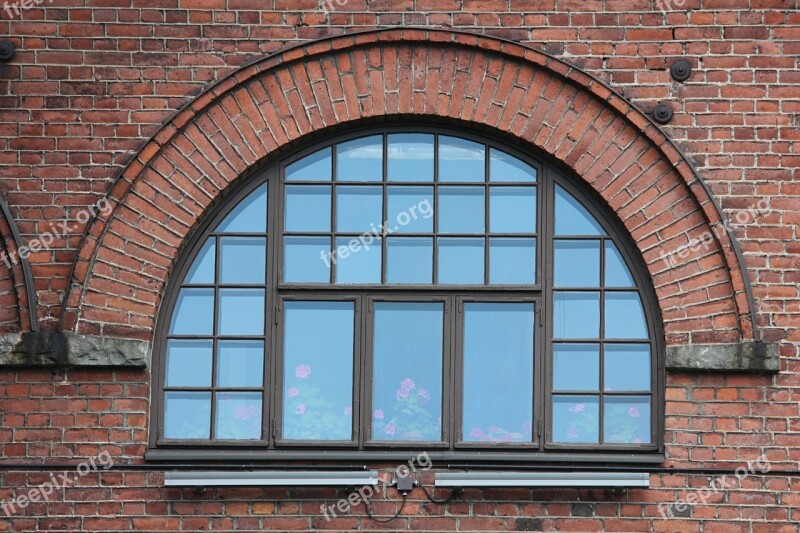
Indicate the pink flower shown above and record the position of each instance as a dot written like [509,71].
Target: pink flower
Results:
[572,433]
[476,432]
[378,414]
[245,412]
[301,409]
[292,392]
[495,429]
[424,395]
[348,411]
[402,394]
[302,371]
[577,408]
[633,412]
[637,440]
[390,429]
[407,384]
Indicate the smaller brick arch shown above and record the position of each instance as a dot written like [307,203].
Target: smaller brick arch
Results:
[272,104]
[17,295]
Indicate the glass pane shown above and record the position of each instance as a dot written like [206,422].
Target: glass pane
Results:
[188,363]
[238,415]
[627,419]
[314,167]
[576,419]
[407,382]
[572,218]
[358,260]
[194,313]
[360,159]
[461,261]
[308,208]
[187,415]
[512,209]
[624,316]
[576,315]
[240,364]
[410,157]
[576,263]
[241,312]
[498,372]
[576,367]
[461,209]
[410,210]
[249,215]
[461,160]
[617,272]
[627,367]
[512,261]
[359,209]
[202,269]
[506,167]
[409,260]
[318,370]
[243,260]
[307,259]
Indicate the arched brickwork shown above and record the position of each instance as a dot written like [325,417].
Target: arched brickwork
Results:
[15,289]
[125,259]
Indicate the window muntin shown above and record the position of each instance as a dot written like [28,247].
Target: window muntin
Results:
[232,307]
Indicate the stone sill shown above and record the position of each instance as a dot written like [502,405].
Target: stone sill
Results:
[756,357]
[65,349]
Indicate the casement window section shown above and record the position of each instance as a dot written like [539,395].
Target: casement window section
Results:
[403,289]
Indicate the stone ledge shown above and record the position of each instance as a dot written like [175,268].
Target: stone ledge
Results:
[66,349]
[750,356]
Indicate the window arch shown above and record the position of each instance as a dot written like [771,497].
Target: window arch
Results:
[392,289]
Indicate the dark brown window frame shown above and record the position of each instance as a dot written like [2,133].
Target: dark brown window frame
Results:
[549,173]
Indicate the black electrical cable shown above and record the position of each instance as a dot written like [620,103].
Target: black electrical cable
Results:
[456,492]
[385,520]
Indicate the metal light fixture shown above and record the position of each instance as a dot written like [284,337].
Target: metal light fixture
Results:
[235,478]
[542,479]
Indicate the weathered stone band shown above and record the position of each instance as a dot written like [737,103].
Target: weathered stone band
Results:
[56,348]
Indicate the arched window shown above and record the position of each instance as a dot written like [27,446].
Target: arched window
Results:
[410,288]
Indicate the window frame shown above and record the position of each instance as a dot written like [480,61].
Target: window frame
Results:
[549,173]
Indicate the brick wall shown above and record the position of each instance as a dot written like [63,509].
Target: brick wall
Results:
[91,83]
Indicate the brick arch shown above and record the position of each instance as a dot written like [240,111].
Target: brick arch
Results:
[17,295]
[125,259]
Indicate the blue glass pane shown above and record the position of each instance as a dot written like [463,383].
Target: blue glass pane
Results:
[410,157]
[307,259]
[249,215]
[410,210]
[624,316]
[189,363]
[240,364]
[627,419]
[409,260]
[576,315]
[318,370]
[506,167]
[498,372]
[617,272]
[627,367]
[314,167]
[243,260]
[241,312]
[359,209]
[512,209]
[572,218]
[576,419]
[407,381]
[308,208]
[576,263]
[194,313]
[576,367]
[461,261]
[461,160]
[187,415]
[202,269]
[358,260]
[238,415]
[360,159]
[512,261]
[461,209]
